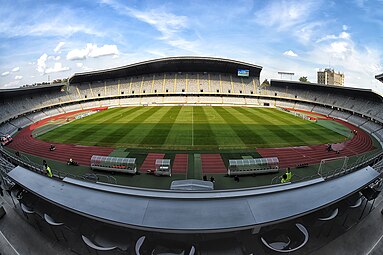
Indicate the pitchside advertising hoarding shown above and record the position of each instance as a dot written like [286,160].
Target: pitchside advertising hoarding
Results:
[243,72]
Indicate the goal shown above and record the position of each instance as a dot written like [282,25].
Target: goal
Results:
[332,165]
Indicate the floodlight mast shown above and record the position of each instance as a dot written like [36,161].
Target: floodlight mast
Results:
[286,73]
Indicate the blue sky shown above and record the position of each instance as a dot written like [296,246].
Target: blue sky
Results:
[41,40]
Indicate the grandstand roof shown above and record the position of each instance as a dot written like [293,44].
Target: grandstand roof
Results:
[171,64]
[330,88]
[379,77]
[30,89]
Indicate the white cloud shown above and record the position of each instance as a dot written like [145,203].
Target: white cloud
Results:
[56,58]
[167,23]
[360,3]
[16,69]
[342,35]
[43,25]
[41,65]
[5,73]
[79,65]
[12,84]
[345,56]
[340,48]
[59,47]
[345,27]
[18,77]
[92,51]
[290,53]
[57,68]
[285,14]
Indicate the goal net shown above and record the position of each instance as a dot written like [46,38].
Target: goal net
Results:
[332,165]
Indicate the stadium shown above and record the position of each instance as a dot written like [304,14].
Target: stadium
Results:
[187,155]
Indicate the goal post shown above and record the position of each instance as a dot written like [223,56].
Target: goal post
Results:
[330,164]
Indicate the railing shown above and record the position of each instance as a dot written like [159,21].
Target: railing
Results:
[375,160]
[24,161]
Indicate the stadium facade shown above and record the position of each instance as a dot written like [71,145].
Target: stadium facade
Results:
[180,221]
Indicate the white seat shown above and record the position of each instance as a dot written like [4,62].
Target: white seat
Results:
[333,214]
[285,247]
[357,203]
[139,243]
[26,209]
[92,245]
[51,221]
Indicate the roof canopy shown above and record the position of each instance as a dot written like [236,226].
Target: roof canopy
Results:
[349,91]
[38,89]
[379,77]
[169,65]
[96,158]
[163,162]
[253,161]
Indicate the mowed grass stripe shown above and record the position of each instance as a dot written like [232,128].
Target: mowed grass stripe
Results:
[278,115]
[121,134]
[203,135]
[311,134]
[248,136]
[160,131]
[180,135]
[224,133]
[79,130]
[285,136]
[91,132]
[213,128]
[68,130]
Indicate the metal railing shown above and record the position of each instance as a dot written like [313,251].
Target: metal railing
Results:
[24,161]
[375,160]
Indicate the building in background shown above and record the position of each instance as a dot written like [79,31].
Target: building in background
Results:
[330,77]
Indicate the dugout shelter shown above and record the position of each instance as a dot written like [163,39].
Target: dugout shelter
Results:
[253,166]
[114,164]
[163,167]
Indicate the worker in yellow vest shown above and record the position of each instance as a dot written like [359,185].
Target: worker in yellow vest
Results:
[49,172]
[284,178]
[289,174]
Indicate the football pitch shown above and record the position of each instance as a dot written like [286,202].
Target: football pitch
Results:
[192,128]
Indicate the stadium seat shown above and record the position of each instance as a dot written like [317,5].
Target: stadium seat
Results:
[286,240]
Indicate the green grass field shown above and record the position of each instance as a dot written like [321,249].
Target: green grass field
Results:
[192,128]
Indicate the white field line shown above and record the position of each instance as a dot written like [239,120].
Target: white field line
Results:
[192,126]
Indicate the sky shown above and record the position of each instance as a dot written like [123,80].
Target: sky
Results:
[45,40]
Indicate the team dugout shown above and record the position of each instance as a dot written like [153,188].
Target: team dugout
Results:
[114,164]
[253,166]
[163,167]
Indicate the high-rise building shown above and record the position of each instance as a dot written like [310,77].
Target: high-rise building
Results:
[330,77]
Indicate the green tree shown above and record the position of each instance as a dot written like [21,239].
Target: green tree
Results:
[265,83]
[303,79]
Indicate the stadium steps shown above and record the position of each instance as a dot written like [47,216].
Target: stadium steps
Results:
[180,163]
[150,161]
[212,163]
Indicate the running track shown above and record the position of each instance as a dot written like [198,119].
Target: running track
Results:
[288,156]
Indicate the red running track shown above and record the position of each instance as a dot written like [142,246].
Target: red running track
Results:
[180,164]
[24,142]
[292,156]
[150,161]
[212,164]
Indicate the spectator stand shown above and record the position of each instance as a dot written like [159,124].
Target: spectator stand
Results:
[114,164]
[253,166]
